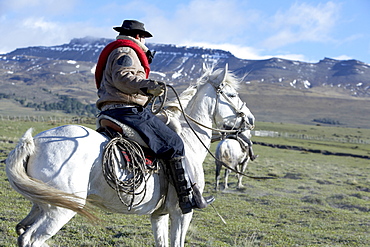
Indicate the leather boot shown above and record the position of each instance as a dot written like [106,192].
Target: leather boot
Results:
[200,201]
[189,195]
[251,154]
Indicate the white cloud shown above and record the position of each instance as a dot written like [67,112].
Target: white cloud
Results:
[245,52]
[30,23]
[343,57]
[303,22]
[44,23]
[238,51]
[37,24]
[218,21]
[226,25]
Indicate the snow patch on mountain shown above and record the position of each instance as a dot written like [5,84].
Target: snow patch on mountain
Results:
[157,73]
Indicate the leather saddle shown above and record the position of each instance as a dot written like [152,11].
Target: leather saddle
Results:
[105,122]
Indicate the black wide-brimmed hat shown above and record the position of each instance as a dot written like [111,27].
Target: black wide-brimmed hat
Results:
[129,26]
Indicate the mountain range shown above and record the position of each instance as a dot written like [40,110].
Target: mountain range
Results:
[41,74]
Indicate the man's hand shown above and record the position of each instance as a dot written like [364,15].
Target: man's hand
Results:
[158,90]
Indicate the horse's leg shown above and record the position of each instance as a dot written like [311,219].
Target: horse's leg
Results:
[179,222]
[227,172]
[240,185]
[179,226]
[49,221]
[218,173]
[30,218]
[160,229]
[240,177]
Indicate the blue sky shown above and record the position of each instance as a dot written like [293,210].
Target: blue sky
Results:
[304,30]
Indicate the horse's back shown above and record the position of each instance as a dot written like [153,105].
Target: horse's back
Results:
[229,150]
[69,131]
[64,156]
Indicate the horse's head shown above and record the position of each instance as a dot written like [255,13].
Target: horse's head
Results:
[230,112]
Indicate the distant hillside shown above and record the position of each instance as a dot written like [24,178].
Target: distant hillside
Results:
[41,75]
[184,64]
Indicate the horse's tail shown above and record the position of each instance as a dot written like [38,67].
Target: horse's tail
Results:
[36,190]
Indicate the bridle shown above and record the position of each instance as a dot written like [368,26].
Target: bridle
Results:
[238,112]
[244,125]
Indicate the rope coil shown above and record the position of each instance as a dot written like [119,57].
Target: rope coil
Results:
[114,164]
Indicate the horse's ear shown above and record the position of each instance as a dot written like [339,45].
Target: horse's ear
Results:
[225,72]
[219,76]
[204,68]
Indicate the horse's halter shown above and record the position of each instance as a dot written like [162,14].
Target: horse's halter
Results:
[238,112]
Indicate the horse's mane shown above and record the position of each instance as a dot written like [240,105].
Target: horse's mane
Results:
[172,108]
[230,79]
[188,93]
[184,98]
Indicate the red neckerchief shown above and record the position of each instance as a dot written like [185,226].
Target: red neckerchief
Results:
[100,66]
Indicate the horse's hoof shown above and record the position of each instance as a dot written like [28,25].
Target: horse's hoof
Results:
[253,157]
[20,229]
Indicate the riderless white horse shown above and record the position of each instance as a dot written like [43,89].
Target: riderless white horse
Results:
[60,169]
[234,152]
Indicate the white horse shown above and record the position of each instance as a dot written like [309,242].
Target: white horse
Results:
[61,168]
[235,154]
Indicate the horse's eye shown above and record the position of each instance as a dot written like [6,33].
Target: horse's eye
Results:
[232,95]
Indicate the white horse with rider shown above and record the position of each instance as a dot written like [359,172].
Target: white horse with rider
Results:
[233,151]
[61,169]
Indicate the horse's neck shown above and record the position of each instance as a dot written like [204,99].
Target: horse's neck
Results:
[200,108]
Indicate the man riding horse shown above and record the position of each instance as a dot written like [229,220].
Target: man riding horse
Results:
[124,88]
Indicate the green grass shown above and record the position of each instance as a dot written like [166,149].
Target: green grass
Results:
[316,200]
[332,139]
[315,130]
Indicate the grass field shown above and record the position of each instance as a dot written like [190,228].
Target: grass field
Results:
[315,200]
